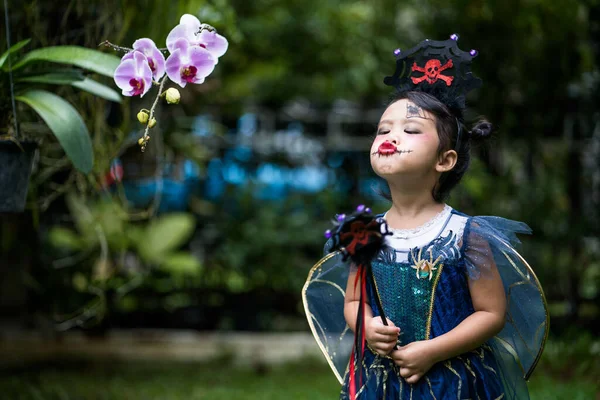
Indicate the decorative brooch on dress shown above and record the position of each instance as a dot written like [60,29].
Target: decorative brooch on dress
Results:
[424,267]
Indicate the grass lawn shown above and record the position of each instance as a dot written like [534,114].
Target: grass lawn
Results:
[568,370]
[170,381]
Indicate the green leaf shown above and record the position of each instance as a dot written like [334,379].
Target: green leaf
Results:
[98,89]
[66,124]
[75,78]
[236,282]
[55,78]
[164,235]
[128,303]
[84,219]
[64,238]
[181,264]
[92,60]
[12,50]
[79,281]
[112,219]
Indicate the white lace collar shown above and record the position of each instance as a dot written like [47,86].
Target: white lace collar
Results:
[434,222]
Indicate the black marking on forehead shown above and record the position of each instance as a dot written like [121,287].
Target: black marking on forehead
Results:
[414,111]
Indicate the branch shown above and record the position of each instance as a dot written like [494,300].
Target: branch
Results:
[132,284]
[87,312]
[72,260]
[60,190]
[115,47]
[51,170]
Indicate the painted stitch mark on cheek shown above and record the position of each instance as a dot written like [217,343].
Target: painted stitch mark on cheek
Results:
[414,111]
[389,149]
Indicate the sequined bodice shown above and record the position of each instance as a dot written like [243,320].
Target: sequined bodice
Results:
[406,279]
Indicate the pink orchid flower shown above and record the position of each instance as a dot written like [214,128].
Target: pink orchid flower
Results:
[189,29]
[189,64]
[156,60]
[134,76]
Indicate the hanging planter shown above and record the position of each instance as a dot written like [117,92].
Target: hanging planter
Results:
[16,160]
[20,71]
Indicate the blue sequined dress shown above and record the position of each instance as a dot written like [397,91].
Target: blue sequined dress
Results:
[429,301]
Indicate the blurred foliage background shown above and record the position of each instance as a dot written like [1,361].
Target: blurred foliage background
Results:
[217,224]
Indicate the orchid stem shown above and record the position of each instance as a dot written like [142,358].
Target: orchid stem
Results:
[160,89]
[115,47]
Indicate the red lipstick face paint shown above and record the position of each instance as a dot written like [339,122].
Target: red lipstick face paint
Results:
[386,149]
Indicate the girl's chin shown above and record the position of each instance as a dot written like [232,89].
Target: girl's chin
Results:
[389,167]
[394,160]
[387,170]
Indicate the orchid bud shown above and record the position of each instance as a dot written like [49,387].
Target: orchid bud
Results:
[143,116]
[172,95]
[151,122]
[143,141]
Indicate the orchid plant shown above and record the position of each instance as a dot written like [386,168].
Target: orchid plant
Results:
[194,50]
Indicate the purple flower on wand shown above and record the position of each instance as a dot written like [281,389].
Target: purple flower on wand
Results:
[134,76]
[189,64]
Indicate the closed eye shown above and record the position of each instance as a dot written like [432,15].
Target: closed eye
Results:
[382,132]
[412,132]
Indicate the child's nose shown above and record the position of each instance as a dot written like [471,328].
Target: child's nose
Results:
[394,138]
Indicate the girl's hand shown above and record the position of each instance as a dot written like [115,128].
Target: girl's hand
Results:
[381,338]
[414,360]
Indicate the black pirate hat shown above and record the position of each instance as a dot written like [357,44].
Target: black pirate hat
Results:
[438,68]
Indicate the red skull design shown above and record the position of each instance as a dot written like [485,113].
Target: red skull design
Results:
[432,72]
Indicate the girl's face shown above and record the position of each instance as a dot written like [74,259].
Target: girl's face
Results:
[406,143]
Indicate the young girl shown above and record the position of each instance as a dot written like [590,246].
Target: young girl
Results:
[442,307]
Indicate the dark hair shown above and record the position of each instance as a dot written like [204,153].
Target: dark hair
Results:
[447,124]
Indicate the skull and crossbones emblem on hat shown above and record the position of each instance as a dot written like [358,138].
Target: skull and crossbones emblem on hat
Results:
[432,72]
